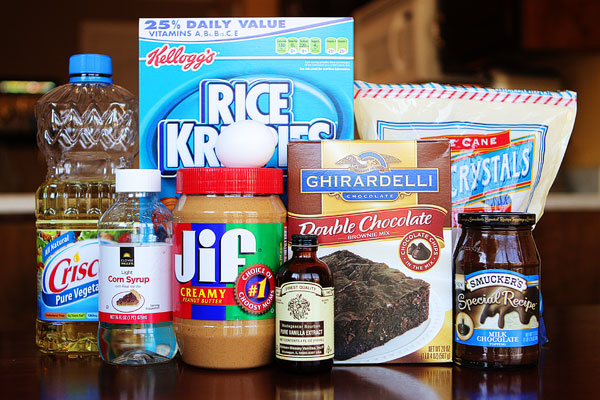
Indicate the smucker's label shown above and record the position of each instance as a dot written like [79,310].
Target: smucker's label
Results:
[497,308]
[226,271]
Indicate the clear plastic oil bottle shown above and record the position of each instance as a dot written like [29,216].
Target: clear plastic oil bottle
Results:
[86,129]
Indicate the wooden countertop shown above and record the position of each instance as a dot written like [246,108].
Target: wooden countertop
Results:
[568,369]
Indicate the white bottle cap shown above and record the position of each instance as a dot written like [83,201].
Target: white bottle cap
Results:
[137,180]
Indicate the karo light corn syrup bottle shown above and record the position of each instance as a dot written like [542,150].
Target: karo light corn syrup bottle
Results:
[136,264]
[86,129]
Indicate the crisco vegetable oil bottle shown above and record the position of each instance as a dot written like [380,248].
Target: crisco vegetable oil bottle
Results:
[86,129]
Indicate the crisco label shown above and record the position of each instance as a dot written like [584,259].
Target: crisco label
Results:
[226,272]
[67,275]
[497,308]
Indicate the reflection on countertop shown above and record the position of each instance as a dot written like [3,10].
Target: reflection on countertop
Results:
[567,369]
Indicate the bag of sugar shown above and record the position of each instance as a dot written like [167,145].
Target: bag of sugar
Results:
[506,145]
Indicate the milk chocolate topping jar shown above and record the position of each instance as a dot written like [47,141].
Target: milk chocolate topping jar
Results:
[497,291]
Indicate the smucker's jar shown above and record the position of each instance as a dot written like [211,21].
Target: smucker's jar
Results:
[228,243]
[497,291]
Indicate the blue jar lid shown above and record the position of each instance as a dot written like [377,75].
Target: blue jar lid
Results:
[90,68]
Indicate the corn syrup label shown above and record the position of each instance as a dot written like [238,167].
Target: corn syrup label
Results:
[135,283]
[226,272]
[67,275]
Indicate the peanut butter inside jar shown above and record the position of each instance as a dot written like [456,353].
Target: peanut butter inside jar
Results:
[228,245]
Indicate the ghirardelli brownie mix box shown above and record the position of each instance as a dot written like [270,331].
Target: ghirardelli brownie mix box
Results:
[383,217]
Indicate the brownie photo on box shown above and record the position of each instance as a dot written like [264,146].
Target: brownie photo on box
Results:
[373,303]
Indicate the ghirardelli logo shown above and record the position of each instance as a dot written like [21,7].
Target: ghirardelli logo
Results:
[369,176]
[167,55]
[368,161]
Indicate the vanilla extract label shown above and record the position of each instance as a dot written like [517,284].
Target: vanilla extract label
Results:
[304,321]
[301,329]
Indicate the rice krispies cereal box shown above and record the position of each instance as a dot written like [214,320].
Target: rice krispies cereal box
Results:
[198,75]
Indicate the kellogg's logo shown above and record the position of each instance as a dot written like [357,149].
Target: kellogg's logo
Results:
[167,55]
[369,176]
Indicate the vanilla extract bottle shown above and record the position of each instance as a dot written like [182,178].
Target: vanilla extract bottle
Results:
[304,301]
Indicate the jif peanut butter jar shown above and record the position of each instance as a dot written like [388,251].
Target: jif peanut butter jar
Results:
[228,245]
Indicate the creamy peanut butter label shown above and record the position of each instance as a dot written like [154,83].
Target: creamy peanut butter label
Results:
[225,271]
[304,322]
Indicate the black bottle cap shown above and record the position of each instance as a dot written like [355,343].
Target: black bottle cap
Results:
[305,240]
[498,219]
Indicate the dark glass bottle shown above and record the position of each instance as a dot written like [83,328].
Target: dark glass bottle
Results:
[304,310]
[497,291]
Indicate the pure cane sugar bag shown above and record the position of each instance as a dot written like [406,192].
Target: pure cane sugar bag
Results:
[507,145]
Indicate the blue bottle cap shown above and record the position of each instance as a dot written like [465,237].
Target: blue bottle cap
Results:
[90,68]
